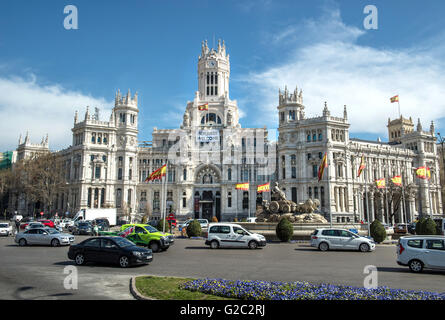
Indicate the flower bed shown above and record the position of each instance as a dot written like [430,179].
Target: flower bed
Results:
[267,290]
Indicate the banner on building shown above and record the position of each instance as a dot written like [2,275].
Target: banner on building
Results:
[207,135]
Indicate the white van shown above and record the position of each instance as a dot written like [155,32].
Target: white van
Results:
[419,252]
[224,235]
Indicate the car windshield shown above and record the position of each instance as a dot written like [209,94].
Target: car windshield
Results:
[51,231]
[3,225]
[122,242]
[150,229]
[84,224]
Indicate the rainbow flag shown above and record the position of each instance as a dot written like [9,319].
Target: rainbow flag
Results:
[380,183]
[423,173]
[263,188]
[242,186]
[157,174]
[203,107]
[395,99]
[362,166]
[323,165]
[397,180]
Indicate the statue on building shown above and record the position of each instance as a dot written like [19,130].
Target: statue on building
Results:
[186,121]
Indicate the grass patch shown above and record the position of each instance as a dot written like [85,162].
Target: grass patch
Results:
[167,288]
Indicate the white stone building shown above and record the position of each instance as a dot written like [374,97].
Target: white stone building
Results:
[210,153]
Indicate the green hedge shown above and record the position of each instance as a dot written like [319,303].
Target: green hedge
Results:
[194,229]
[378,232]
[284,230]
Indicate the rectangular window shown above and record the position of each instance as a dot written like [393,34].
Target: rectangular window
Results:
[97,172]
[119,174]
[294,172]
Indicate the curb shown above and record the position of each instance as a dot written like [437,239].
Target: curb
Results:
[134,291]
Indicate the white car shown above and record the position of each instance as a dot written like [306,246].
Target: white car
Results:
[223,235]
[419,252]
[65,223]
[203,222]
[340,239]
[5,229]
[389,229]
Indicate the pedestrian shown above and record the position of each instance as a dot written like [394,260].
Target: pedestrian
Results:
[17,226]
[96,230]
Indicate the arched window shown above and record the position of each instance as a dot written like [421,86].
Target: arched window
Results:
[211,118]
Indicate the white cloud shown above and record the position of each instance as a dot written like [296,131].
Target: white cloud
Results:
[331,66]
[26,105]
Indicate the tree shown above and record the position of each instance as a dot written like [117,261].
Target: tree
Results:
[378,232]
[45,178]
[426,226]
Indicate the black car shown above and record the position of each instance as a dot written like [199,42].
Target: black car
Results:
[83,227]
[115,250]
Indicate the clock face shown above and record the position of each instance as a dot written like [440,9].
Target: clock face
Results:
[212,63]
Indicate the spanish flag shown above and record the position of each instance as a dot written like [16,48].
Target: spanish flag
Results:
[423,173]
[397,180]
[242,186]
[263,188]
[157,174]
[203,107]
[362,166]
[381,183]
[323,164]
[395,99]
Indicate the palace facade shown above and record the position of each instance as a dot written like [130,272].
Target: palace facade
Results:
[209,153]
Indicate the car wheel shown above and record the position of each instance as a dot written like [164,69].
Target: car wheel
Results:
[253,245]
[214,244]
[323,246]
[154,246]
[415,266]
[364,247]
[22,242]
[55,243]
[79,259]
[124,262]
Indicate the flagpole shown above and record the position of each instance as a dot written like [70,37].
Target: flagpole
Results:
[398,103]
[367,204]
[165,196]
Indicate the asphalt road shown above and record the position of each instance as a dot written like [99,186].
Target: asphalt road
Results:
[37,272]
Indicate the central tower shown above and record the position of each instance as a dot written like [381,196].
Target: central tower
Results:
[213,72]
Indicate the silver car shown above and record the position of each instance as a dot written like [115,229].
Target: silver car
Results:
[340,239]
[34,225]
[43,236]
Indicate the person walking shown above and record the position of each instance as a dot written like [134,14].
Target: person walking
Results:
[17,226]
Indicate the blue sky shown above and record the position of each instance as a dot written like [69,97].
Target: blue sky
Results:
[47,72]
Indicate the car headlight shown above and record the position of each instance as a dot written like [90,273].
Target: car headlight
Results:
[137,253]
